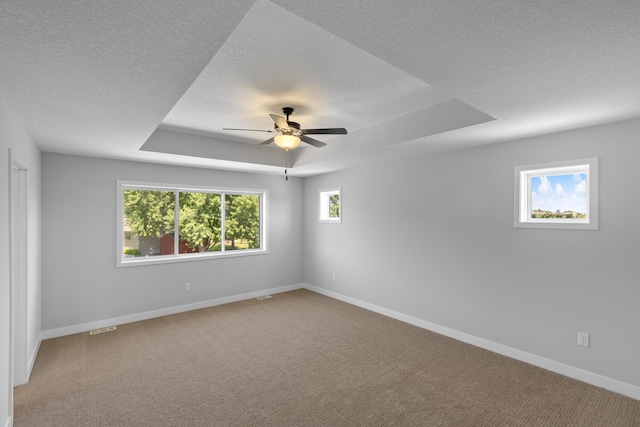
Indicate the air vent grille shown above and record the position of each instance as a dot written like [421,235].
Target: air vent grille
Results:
[102,330]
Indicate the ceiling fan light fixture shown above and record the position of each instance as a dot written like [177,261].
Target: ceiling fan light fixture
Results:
[290,133]
[286,142]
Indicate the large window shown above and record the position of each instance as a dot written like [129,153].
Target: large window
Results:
[557,195]
[208,223]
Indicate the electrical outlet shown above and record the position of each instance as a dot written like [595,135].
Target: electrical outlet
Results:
[333,276]
[583,339]
[187,287]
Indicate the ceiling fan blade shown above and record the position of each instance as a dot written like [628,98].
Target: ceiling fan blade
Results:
[329,131]
[250,130]
[267,142]
[281,122]
[312,141]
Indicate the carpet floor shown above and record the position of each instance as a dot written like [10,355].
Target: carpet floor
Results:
[297,359]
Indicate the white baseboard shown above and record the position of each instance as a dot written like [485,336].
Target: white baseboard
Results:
[32,359]
[9,422]
[84,327]
[597,380]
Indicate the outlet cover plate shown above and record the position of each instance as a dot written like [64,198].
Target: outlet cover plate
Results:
[583,339]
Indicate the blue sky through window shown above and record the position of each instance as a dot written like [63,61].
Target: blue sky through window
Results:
[559,193]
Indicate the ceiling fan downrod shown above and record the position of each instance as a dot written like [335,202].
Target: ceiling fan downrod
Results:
[287,111]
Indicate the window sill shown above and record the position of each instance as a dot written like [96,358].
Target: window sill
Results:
[330,221]
[167,259]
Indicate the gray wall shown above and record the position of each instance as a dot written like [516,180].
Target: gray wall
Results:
[81,283]
[430,237]
[433,238]
[13,136]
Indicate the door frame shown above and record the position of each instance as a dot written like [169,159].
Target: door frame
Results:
[18,237]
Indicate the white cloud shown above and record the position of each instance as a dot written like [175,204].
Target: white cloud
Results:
[545,186]
[581,187]
[559,190]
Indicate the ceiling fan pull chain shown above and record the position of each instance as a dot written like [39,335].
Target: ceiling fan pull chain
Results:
[287,157]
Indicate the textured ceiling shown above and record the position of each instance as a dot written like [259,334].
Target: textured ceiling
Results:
[408,77]
[263,67]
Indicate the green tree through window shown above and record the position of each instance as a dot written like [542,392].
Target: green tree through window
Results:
[242,220]
[149,213]
[334,206]
[330,205]
[200,220]
[149,222]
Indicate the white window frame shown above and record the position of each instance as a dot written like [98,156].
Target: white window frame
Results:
[324,205]
[122,185]
[522,191]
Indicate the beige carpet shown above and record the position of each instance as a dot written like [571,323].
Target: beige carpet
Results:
[298,359]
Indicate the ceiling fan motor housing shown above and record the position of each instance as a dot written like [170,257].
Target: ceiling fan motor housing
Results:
[287,128]
[294,128]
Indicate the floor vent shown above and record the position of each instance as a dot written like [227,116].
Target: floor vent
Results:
[102,330]
[263,297]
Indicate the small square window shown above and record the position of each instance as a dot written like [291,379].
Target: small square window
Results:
[330,205]
[557,195]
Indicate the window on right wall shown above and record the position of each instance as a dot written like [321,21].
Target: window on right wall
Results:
[557,195]
[330,205]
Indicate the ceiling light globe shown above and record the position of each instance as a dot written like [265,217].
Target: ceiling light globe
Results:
[287,142]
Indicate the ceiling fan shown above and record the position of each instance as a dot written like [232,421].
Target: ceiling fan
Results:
[290,134]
